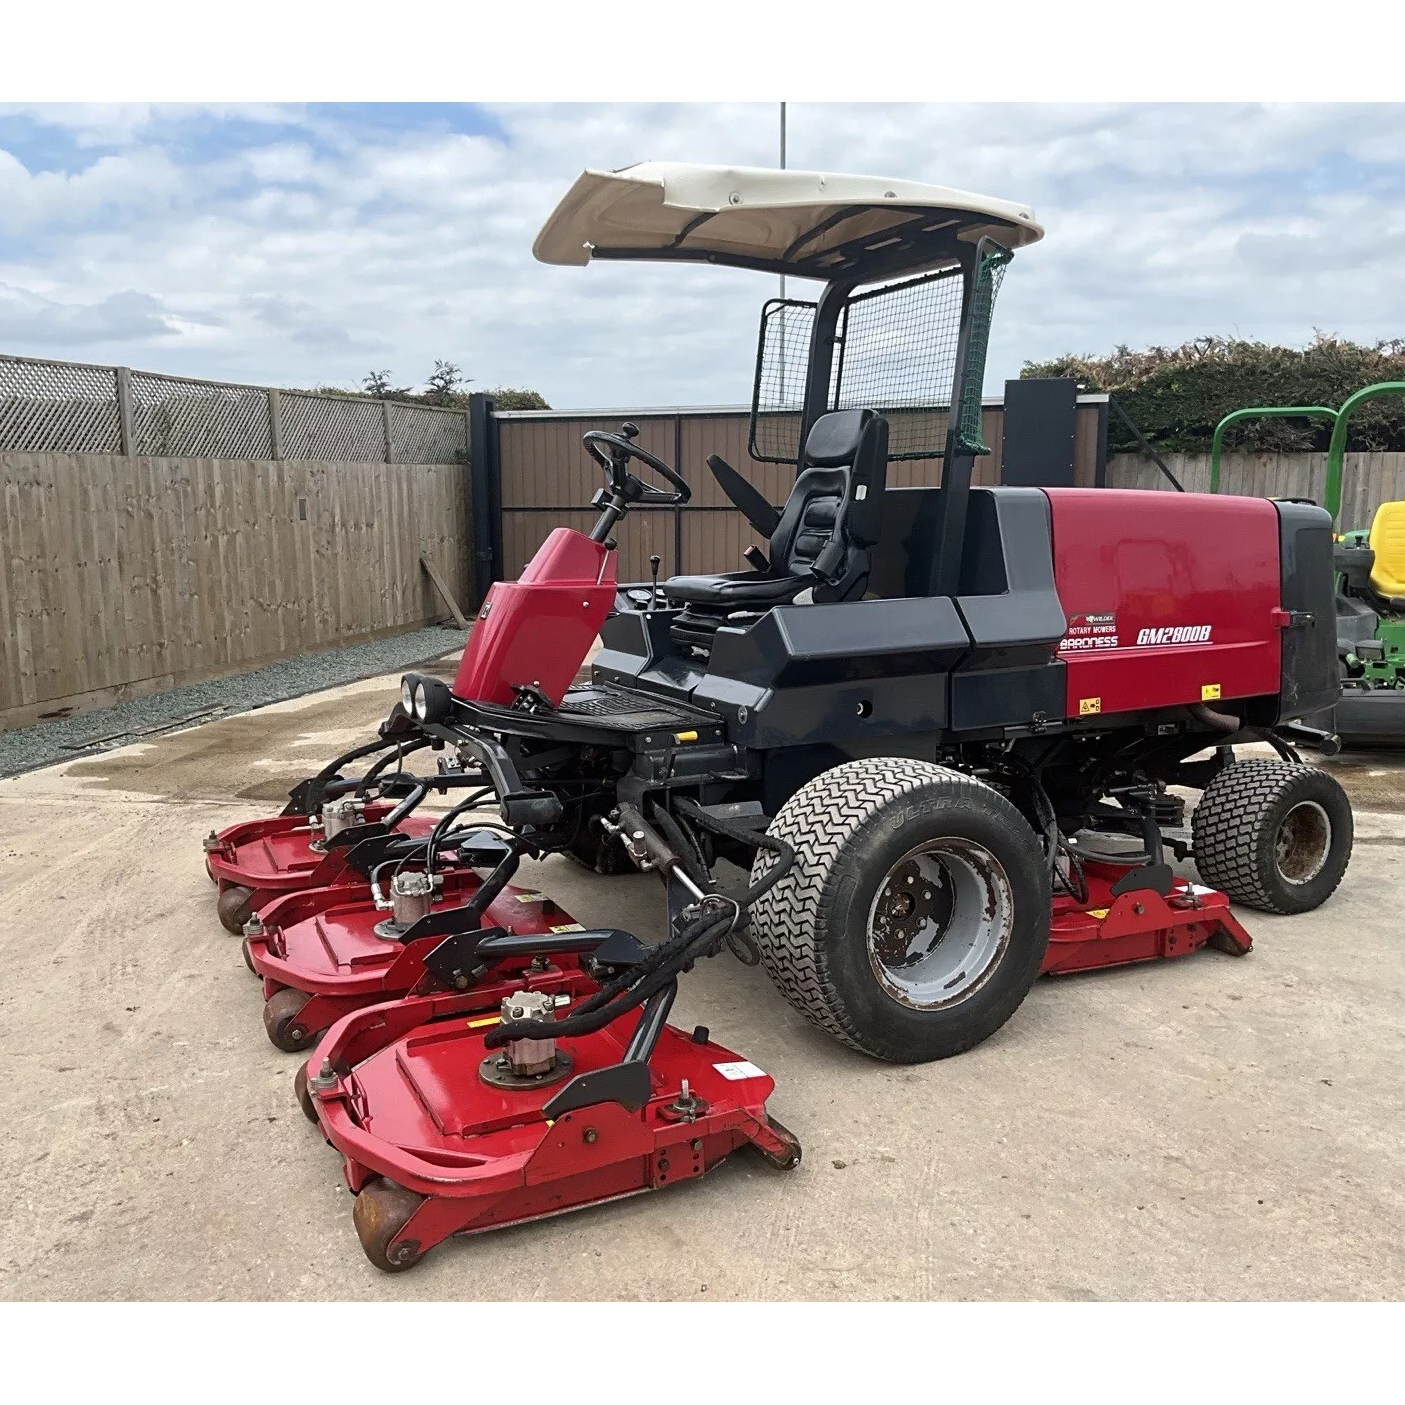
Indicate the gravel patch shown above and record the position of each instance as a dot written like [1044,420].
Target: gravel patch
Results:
[67,738]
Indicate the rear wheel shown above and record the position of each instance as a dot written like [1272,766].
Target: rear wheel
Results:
[916,915]
[1274,835]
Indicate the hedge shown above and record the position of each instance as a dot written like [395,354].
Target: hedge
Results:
[1177,395]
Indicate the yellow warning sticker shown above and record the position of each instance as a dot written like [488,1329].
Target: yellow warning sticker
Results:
[566,927]
[1209,692]
[1099,912]
[531,897]
[478,1024]
[1087,706]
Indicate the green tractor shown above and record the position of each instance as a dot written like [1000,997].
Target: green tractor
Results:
[1370,588]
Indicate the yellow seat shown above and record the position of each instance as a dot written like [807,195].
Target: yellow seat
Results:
[1388,542]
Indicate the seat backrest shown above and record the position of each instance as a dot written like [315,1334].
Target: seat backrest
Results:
[1388,542]
[832,518]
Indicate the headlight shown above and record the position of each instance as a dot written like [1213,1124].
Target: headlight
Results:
[426,700]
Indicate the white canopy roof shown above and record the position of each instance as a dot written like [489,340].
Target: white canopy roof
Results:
[816,224]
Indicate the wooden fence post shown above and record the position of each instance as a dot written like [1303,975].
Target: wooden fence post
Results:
[126,421]
[385,429]
[275,424]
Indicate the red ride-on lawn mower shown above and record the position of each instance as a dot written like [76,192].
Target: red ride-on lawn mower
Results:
[946,729]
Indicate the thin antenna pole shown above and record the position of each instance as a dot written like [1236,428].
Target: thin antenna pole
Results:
[782,168]
[780,310]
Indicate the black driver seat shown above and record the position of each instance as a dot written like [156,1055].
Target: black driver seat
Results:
[822,540]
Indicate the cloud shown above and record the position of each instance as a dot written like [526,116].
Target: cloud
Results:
[301,322]
[30,320]
[302,245]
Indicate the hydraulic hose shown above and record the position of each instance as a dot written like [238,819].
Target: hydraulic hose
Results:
[308,795]
[710,925]
[1073,883]
[397,756]
[752,838]
[625,992]
[445,822]
[683,845]
[739,940]
[329,771]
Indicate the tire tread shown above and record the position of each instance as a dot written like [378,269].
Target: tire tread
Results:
[1226,827]
[818,822]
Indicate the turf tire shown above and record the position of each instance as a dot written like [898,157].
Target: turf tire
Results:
[848,827]
[1235,828]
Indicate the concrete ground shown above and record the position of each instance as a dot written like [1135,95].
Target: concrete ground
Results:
[1204,1128]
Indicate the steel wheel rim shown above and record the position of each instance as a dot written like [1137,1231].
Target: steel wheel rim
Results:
[1303,842]
[939,922]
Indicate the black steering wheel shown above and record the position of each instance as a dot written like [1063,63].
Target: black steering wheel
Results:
[613,451]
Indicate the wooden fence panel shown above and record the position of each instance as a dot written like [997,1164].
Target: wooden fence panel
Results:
[1368,479]
[120,576]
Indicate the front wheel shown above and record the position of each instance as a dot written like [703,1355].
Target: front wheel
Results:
[916,915]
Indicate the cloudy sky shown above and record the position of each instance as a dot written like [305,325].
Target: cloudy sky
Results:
[306,245]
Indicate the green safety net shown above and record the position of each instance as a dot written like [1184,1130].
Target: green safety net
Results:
[991,261]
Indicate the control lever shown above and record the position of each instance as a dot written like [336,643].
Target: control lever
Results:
[654,563]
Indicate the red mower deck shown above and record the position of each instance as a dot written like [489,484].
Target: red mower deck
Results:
[256,861]
[319,956]
[1111,929]
[430,1149]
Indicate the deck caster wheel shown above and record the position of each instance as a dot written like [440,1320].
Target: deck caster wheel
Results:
[786,1158]
[304,1094]
[381,1211]
[280,1018]
[233,908]
[248,957]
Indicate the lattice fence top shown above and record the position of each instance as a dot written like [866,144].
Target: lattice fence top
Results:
[196,419]
[320,427]
[63,407]
[52,407]
[419,434]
